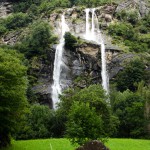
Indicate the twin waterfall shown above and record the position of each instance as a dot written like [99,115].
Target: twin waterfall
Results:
[93,33]
[56,87]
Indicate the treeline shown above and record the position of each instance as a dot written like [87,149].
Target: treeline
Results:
[47,6]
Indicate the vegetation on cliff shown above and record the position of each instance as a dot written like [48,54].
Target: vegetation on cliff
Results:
[83,113]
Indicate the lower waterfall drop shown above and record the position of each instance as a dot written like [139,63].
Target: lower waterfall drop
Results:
[95,35]
[56,87]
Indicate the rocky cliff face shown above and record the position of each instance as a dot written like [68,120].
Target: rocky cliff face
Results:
[85,61]
[141,6]
[5,9]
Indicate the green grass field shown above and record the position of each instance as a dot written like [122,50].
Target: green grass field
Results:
[64,144]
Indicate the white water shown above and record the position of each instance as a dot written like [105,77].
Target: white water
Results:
[94,34]
[56,87]
[88,32]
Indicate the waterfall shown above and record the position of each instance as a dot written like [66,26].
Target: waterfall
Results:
[105,79]
[56,87]
[93,26]
[88,32]
[94,34]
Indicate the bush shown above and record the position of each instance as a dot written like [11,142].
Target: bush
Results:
[133,73]
[83,124]
[129,107]
[95,96]
[143,29]
[23,6]
[89,3]
[70,41]
[2,30]
[122,29]
[17,21]
[38,41]
[128,16]
[36,123]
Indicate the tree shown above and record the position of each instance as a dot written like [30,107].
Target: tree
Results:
[133,73]
[36,123]
[38,40]
[70,41]
[129,107]
[95,96]
[83,124]
[17,20]
[13,85]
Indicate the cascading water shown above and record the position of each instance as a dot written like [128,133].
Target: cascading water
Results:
[56,87]
[88,32]
[94,34]
[105,79]
[93,25]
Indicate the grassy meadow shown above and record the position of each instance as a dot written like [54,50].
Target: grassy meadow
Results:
[64,144]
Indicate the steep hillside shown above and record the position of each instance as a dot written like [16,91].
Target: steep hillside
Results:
[121,28]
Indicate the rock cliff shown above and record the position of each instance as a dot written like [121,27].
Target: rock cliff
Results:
[85,61]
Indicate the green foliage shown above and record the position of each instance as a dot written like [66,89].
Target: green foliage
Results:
[36,123]
[145,22]
[17,21]
[128,16]
[130,31]
[70,41]
[2,30]
[122,29]
[89,3]
[13,85]
[38,40]
[133,73]
[47,6]
[129,107]
[96,98]
[23,6]
[83,124]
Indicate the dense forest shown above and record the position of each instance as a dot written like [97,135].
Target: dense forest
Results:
[28,40]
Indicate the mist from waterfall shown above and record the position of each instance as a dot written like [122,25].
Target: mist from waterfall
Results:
[93,33]
[56,87]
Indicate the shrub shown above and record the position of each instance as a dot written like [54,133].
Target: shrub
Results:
[133,73]
[38,40]
[70,41]
[89,3]
[17,21]
[129,107]
[122,29]
[83,124]
[96,98]
[2,30]
[36,123]
[128,16]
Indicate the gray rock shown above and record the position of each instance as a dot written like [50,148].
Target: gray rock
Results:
[140,5]
[117,63]
[5,9]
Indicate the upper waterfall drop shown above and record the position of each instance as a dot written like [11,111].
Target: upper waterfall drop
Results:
[88,32]
[56,87]
[94,34]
